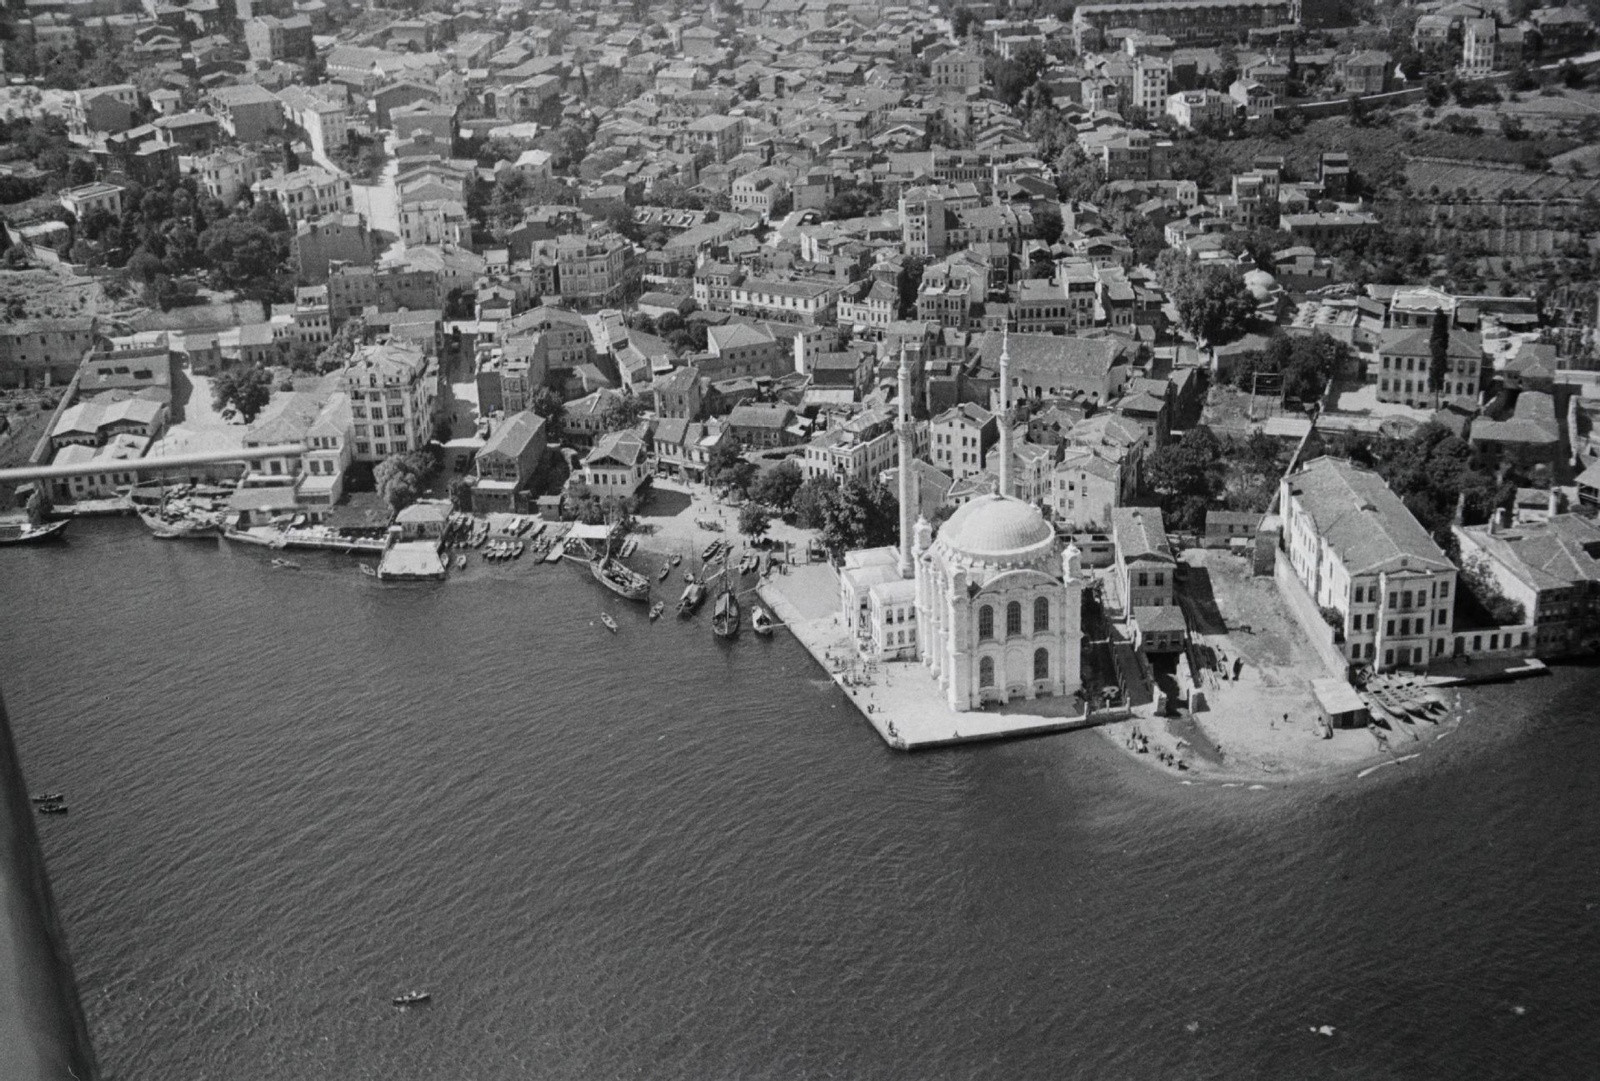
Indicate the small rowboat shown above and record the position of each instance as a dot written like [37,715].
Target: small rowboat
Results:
[656,609]
[610,624]
[412,998]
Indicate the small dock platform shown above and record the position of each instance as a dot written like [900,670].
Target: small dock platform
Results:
[901,700]
[412,561]
[1482,672]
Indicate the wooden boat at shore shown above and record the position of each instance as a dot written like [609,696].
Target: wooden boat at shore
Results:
[694,594]
[618,578]
[726,616]
[31,533]
[760,622]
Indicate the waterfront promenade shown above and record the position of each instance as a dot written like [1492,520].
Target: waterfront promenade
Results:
[900,699]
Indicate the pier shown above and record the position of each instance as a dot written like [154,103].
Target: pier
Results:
[901,700]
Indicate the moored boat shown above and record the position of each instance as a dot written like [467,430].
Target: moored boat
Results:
[53,809]
[412,998]
[656,609]
[461,561]
[610,624]
[726,616]
[666,570]
[760,622]
[286,564]
[618,578]
[693,595]
[369,570]
[31,533]
[46,797]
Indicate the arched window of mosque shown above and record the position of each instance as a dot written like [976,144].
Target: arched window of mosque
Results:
[986,672]
[1014,617]
[1041,664]
[986,622]
[1041,614]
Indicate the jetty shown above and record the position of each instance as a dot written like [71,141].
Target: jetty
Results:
[901,700]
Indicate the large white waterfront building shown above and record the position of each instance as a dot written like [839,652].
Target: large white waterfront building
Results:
[992,607]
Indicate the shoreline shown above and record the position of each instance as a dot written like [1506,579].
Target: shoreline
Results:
[1355,763]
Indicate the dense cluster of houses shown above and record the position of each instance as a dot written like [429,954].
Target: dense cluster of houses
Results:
[877,199]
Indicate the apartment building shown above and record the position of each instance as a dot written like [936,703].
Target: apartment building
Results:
[1362,555]
[392,388]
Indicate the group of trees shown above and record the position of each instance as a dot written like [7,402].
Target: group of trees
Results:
[849,515]
[1188,476]
[402,478]
[1304,364]
[245,389]
[684,335]
[586,505]
[362,156]
[170,234]
[1213,302]
[1430,469]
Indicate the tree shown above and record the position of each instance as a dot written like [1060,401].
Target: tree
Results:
[753,520]
[247,389]
[549,405]
[621,413]
[1047,224]
[860,516]
[728,469]
[1188,475]
[241,252]
[401,478]
[1438,353]
[961,20]
[1479,580]
[778,486]
[909,282]
[1213,302]
[812,499]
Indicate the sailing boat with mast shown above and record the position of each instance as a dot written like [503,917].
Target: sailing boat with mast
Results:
[617,576]
[726,614]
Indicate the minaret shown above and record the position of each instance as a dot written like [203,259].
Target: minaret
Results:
[908,508]
[1005,411]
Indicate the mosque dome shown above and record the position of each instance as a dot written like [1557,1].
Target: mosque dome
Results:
[993,528]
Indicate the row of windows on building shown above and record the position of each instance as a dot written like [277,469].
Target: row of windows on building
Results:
[1406,624]
[1403,598]
[1419,386]
[1041,667]
[1041,618]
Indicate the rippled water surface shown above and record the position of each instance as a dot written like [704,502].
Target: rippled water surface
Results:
[295,794]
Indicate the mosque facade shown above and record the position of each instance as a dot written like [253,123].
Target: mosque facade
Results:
[992,606]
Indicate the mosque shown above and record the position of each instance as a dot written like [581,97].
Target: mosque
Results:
[992,606]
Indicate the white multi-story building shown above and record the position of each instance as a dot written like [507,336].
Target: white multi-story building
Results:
[317,113]
[307,193]
[437,222]
[392,388]
[960,437]
[227,172]
[1361,554]
[860,449]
